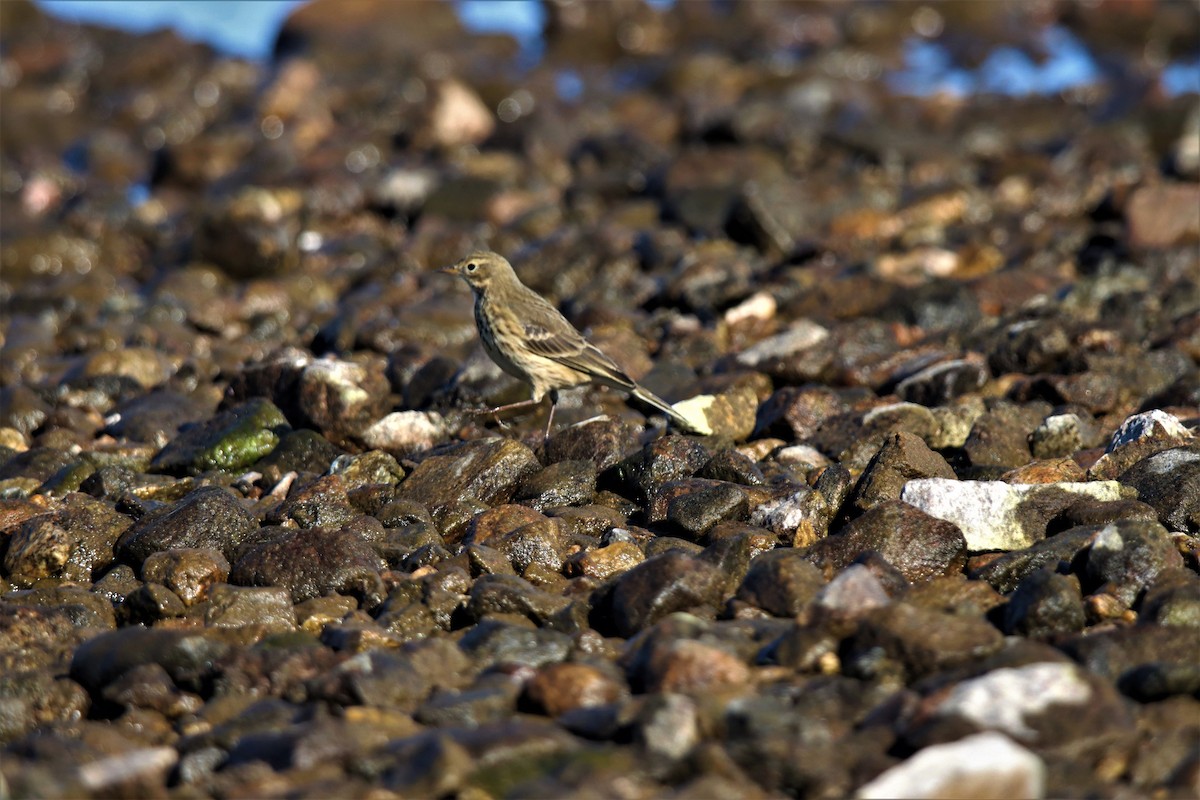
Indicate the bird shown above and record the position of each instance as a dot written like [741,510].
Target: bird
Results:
[531,340]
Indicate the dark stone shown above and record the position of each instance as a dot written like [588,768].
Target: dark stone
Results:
[310,563]
[1126,557]
[781,582]
[563,483]
[659,586]
[902,457]
[157,417]
[603,441]
[906,642]
[667,459]
[189,657]
[1169,481]
[920,546]
[1045,603]
[209,517]
[487,471]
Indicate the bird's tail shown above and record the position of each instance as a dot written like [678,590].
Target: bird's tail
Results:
[678,420]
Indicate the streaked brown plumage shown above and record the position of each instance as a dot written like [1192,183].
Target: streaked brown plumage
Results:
[529,339]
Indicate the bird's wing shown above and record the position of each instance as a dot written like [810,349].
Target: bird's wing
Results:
[550,335]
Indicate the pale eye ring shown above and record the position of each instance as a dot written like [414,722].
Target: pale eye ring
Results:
[471,267]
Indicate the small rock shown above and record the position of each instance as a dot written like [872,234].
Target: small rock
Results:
[902,457]
[563,483]
[667,459]
[560,688]
[940,383]
[1169,481]
[1127,556]
[780,582]
[1139,437]
[403,433]
[239,606]
[1042,703]
[487,471]
[852,592]
[188,572]
[901,641]
[604,441]
[1045,603]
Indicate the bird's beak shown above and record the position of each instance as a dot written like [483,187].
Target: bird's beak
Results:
[450,270]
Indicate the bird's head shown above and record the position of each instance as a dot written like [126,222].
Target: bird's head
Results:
[481,269]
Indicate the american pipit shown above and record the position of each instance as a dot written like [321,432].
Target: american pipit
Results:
[529,339]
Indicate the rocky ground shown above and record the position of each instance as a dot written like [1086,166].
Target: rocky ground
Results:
[943,539]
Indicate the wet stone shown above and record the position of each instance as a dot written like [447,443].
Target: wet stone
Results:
[920,546]
[150,603]
[74,543]
[299,451]
[239,606]
[1127,556]
[207,518]
[321,503]
[188,657]
[563,483]
[902,457]
[1043,604]
[486,471]
[603,441]
[495,641]
[605,562]
[781,582]
[670,458]
[673,581]
[1169,481]
[900,640]
[695,505]
[157,417]
[189,572]
[508,594]
[313,562]
[732,467]
[561,688]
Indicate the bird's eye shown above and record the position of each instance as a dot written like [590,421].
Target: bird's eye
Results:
[471,267]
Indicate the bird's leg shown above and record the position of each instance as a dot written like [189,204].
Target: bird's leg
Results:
[550,419]
[495,412]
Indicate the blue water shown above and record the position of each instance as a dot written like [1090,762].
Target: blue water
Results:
[248,29]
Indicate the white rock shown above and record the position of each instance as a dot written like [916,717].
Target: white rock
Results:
[142,762]
[758,306]
[981,767]
[988,512]
[695,409]
[801,336]
[1003,698]
[853,591]
[406,432]
[1155,424]
[785,514]
[802,456]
